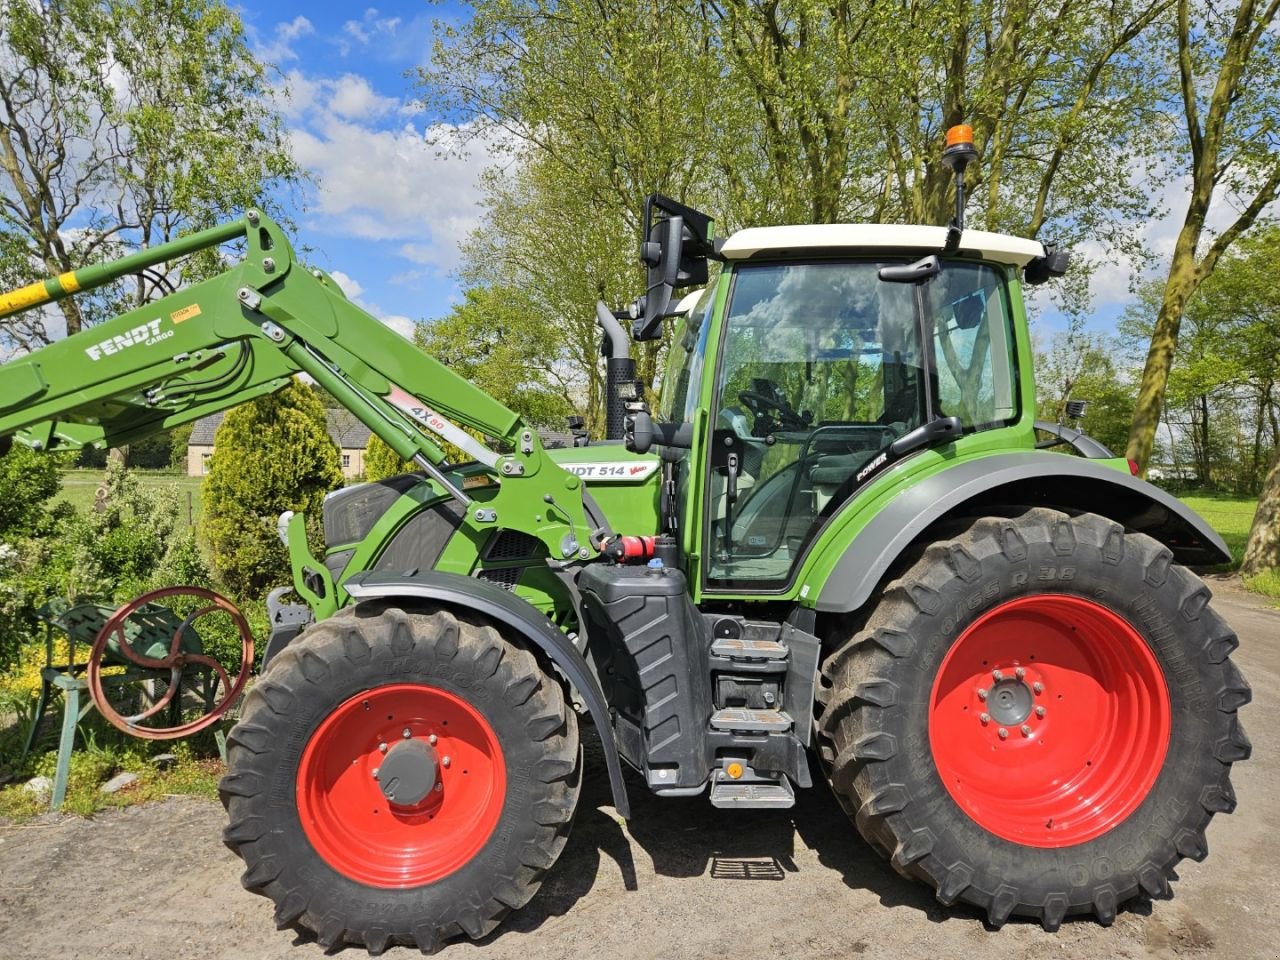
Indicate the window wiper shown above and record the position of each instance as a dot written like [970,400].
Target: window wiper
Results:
[941,430]
[917,272]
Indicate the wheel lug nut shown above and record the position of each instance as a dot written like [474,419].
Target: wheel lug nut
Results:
[375,772]
[982,693]
[445,762]
[382,748]
[1039,711]
[985,718]
[407,733]
[432,739]
[1038,687]
[1020,673]
[1026,731]
[1003,733]
[997,675]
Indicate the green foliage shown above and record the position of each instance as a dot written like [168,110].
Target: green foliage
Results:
[271,455]
[134,539]
[495,338]
[179,437]
[1086,366]
[1222,398]
[1222,95]
[102,753]
[380,461]
[1266,583]
[29,481]
[764,114]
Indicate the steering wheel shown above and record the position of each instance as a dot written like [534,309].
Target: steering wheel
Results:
[764,407]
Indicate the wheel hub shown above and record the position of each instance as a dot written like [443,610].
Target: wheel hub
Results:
[401,785]
[1010,702]
[408,773]
[1049,720]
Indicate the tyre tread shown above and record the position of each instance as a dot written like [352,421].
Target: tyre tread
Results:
[354,638]
[860,723]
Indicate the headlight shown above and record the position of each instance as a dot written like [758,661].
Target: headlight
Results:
[282,526]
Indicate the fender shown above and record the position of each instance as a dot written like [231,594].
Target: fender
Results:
[1029,478]
[1083,444]
[470,593]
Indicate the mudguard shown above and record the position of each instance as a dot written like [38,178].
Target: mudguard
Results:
[1083,444]
[470,593]
[1026,478]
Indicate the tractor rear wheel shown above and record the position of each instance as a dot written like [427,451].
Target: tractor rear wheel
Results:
[1039,718]
[400,777]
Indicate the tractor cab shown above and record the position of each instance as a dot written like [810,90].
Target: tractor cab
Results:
[823,356]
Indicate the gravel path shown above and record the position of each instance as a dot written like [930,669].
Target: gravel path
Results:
[682,880]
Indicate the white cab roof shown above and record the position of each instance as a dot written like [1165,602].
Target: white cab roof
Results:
[869,237]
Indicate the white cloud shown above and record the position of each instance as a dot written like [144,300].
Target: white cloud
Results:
[354,289]
[279,48]
[296,94]
[353,98]
[350,286]
[387,38]
[1113,278]
[390,185]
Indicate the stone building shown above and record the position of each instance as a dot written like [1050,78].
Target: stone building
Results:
[347,432]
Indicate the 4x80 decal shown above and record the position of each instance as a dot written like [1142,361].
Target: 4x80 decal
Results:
[147,334]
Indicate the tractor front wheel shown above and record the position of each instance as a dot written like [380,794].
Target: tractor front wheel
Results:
[400,777]
[1039,718]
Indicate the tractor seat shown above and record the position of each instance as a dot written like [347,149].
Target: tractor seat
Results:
[835,469]
[832,471]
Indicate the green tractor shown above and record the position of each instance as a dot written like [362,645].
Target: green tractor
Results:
[837,535]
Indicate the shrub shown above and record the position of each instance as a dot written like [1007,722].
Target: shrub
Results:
[271,455]
[380,461]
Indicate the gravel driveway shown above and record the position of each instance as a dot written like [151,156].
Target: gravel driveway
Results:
[682,880]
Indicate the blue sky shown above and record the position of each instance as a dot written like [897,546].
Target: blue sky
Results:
[389,210]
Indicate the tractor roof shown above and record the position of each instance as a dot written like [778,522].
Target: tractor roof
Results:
[875,237]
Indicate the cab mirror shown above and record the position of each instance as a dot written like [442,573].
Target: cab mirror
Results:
[674,251]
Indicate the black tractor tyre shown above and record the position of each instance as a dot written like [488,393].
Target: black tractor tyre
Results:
[879,715]
[372,657]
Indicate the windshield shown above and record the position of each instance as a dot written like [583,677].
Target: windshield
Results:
[824,366]
[682,379]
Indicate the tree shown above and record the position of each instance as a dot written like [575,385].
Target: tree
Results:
[501,341]
[1083,366]
[765,112]
[271,455]
[1221,403]
[124,123]
[381,462]
[1228,74]
[1262,550]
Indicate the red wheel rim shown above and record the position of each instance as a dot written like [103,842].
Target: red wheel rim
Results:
[373,840]
[1084,710]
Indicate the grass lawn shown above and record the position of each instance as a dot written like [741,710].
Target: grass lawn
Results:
[79,488]
[1232,517]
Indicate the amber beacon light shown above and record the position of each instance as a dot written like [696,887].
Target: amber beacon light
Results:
[957,153]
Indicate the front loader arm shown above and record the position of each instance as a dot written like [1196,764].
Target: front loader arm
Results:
[242,334]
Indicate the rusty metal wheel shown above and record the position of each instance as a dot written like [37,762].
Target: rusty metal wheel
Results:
[172,666]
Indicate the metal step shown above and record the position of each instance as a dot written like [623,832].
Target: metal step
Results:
[750,721]
[774,794]
[744,648]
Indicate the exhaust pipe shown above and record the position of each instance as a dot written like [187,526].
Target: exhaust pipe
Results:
[619,369]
